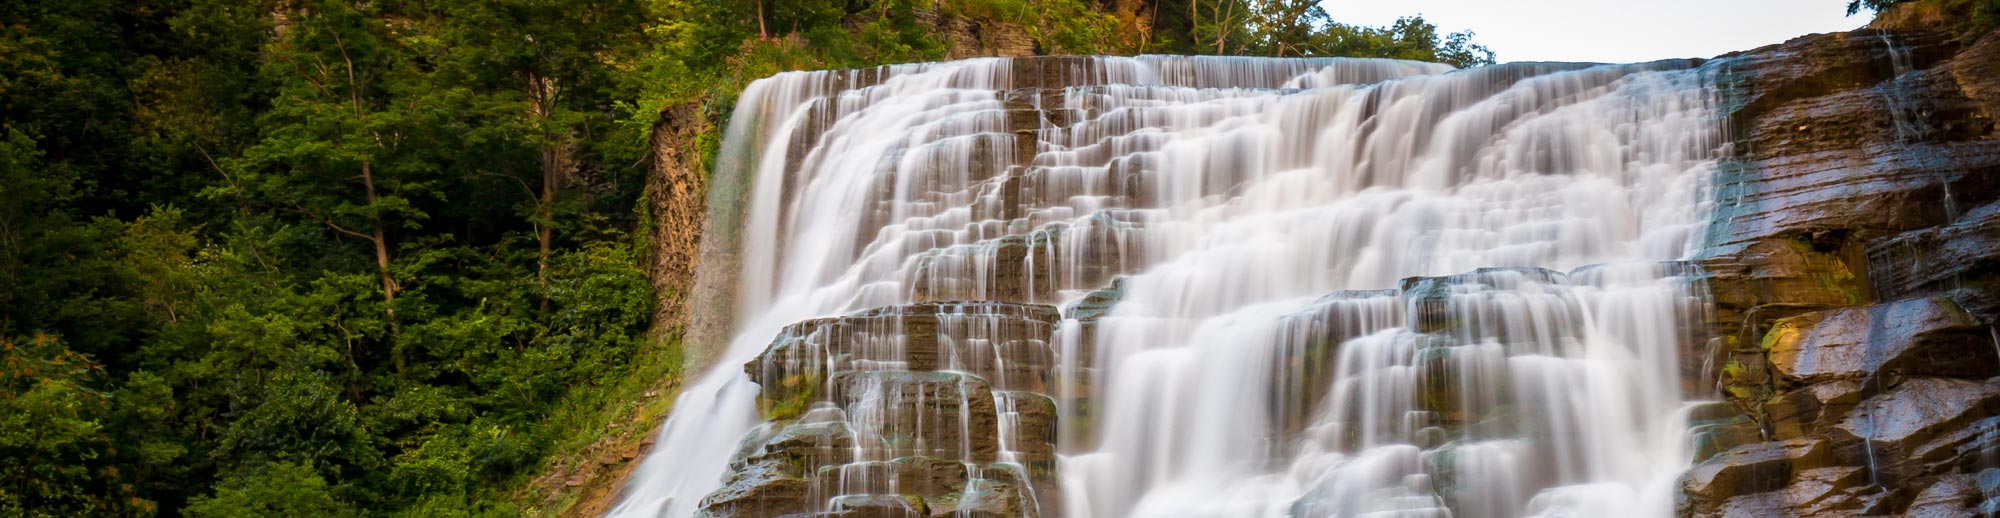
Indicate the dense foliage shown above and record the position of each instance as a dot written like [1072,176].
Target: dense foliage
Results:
[329,258]
[1968,19]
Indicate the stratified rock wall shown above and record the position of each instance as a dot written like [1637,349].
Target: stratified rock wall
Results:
[930,409]
[1855,266]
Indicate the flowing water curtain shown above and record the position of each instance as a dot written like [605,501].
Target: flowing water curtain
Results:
[1288,287]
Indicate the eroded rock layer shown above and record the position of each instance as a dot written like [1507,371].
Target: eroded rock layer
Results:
[1855,264]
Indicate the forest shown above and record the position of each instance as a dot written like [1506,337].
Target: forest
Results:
[386,258]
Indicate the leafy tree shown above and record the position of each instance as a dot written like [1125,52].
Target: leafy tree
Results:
[337,149]
[274,490]
[56,458]
[528,73]
[1855,6]
[1305,28]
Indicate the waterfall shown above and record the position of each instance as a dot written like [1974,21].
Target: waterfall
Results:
[1208,287]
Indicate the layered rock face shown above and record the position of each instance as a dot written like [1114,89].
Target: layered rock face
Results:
[936,409]
[1215,286]
[1855,268]
[1232,287]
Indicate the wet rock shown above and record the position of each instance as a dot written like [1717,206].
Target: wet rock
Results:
[1816,493]
[1839,147]
[1028,365]
[1078,419]
[1714,437]
[1929,336]
[1002,269]
[1961,260]
[1922,427]
[1097,303]
[1950,496]
[1749,469]
[1030,422]
[913,476]
[980,499]
[1462,473]
[905,413]
[1811,410]
[802,447]
[879,506]
[1311,341]
[928,475]
[1431,437]
[1815,65]
[1977,70]
[791,374]
[760,489]
[978,337]
[1450,304]
[1460,384]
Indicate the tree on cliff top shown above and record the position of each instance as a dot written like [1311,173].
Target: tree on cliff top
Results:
[1302,28]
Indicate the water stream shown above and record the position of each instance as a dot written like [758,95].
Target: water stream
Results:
[1286,287]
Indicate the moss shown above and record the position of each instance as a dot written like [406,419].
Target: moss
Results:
[1734,376]
[797,394]
[1781,331]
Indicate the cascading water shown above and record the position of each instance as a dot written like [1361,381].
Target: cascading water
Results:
[1287,287]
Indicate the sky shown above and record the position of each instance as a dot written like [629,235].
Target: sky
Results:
[1612,31]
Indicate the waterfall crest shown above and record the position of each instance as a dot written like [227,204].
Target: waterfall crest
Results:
[1205,286]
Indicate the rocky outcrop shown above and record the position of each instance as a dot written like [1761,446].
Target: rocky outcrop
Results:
[1929,336]
[675,195]
[1852,263]
[929,409]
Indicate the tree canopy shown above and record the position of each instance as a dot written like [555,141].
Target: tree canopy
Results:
[334,258]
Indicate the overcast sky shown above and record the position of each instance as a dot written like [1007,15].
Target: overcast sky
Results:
[1612,31]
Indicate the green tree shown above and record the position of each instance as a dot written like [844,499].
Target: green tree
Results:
[335,147]
[274,490]
[56,458]
[532,76]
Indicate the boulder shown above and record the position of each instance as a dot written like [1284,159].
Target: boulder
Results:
[1930,336]
[1714,437]
[1951,496]
[1749,469]
[1830,492]
[805,447]
[761,489]
[1919,428]
[1811,410]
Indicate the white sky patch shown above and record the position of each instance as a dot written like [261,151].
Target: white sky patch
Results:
[1612,31]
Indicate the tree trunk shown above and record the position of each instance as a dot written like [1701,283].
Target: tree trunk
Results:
[377,235]
[556,159]
[380,240]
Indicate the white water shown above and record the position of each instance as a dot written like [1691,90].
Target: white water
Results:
[1267,357]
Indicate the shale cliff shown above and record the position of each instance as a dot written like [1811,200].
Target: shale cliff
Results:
[1854,263]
